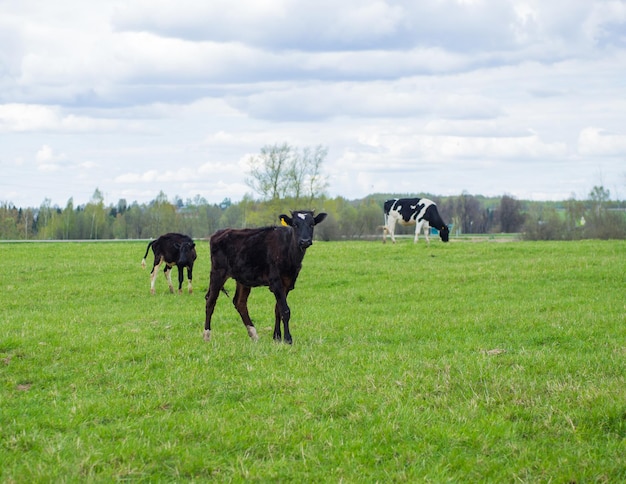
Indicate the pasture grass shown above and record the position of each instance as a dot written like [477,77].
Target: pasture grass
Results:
[496,362]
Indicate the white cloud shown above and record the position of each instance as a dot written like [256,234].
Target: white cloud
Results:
[180,175]
[325,25]
[381,99]
[145,96]
[606,22]
[44,155]
[218,168]
[598,142]
[149,176]
[25,117]
[49,160]
[35,117]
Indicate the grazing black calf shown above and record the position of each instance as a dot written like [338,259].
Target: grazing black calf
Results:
[268,256]
[175,250]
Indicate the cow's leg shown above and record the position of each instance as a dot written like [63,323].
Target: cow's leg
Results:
[391,228]
[277,334]
[215,285]
[167,272]
[427,232]
[189,277]
[281,311]
[154,273]
[418,227]
[241,304]
[181,271]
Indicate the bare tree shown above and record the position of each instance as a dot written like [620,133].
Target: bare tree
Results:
[511,218]
[283,171]
[304,177]
[317,182]
[268,171]
[468,212]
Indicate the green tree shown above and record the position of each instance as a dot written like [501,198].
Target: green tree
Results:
[136,221]
[44,215]
[119,227]
[161,216]
[369,216]
[25,222]
[602,223]
[67,220]
[575,214]
[599,196]
[95,216]
[348,220]
[233,216]
[544,223]
[9,222]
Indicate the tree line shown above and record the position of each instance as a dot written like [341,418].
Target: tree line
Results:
[288,178]
[595,217]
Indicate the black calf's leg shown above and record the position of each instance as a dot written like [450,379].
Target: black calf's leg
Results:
[154,274]
[189,277]
[211,299]
[167,272]
[277,334]
[241,304]
[282,311]
[215,285]
[286,312]
[180,279]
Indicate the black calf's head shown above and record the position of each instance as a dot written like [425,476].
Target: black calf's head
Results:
[187,253]
[303,222]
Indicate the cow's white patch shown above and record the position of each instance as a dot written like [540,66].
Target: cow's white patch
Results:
[153,276]
[252,333]
[302,216]
[207,335]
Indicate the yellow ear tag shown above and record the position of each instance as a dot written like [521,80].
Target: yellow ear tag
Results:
[283,223]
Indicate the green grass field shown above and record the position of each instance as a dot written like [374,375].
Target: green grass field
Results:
[463,362]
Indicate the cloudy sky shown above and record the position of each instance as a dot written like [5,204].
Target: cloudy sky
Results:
[492,97]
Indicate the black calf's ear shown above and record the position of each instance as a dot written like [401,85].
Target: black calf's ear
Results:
[286,220]
[319,218]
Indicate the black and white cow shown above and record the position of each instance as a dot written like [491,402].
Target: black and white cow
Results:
[175,250]
[413,211]
[266,256]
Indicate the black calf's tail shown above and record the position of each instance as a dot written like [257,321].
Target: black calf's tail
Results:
[143,261]
[221,289]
